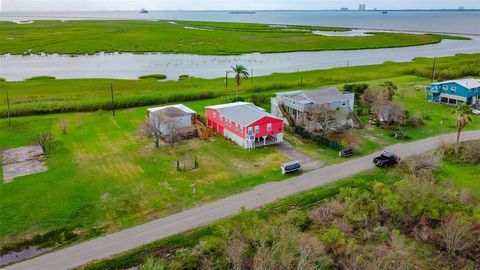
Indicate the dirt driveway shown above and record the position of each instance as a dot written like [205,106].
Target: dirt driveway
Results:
[308,163]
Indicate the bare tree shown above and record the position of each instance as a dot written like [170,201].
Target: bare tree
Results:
[417,120]
[235,250]
[371,96]
[63,125]
[170,127]
[325,119]
[151,130]
[455,234]
[44,139]
[389,112]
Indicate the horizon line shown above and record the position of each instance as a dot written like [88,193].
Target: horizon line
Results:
[258,10]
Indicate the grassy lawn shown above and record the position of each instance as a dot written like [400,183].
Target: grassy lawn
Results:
[462,175]
[212,38]
[50,96]
[103,175]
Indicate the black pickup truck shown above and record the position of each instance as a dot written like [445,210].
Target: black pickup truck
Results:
[386,159]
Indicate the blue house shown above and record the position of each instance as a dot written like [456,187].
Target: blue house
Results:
[454,92]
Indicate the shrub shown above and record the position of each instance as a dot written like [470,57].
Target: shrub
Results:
[420,165]
[40,78]
[259,100]
[153,76]
[299,219]
[417,120]
[468,152]
[358,89]
[427,117]
[183,77]
[2,79]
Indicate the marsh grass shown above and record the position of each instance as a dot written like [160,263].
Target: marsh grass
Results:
[76,95]
[153,76]
[206,38]
[43,77]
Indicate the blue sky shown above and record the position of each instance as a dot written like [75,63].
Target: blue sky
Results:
[45,5]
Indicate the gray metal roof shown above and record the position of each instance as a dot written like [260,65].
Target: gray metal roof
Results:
[170,112]
[243,113]
[319,96]
[468,83]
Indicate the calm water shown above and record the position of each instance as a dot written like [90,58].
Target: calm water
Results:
[432,21]
[130,66]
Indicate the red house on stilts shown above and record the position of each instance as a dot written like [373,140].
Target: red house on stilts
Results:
[245,124]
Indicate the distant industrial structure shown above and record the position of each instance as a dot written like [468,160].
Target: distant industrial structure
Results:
[344,9]
[361,7]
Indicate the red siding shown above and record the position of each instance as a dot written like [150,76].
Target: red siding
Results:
[277,126]
[219,124]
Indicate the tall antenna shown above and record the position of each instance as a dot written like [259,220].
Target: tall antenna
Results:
[8,111]
[433,68]
[346,72]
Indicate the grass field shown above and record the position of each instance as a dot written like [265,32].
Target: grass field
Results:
[303,201]
[50,96]
[213,38]
[103,175]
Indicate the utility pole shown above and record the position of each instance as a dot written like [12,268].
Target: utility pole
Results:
[251,78]
[113,102]
[8,111]
[226,79]
[433,68]
[346,72]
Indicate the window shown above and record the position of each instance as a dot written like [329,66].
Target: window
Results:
[257,129]
[250,130]
[269,127]
[238,127]
[343,103]
[454,89]
[445,87]
[214,115]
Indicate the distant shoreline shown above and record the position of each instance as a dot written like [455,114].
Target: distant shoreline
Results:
[244,10]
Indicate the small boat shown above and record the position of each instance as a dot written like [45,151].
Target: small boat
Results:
[143,11]
[384,12]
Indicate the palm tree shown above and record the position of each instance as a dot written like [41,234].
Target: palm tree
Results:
[240,73]
[463,119]
[389,89]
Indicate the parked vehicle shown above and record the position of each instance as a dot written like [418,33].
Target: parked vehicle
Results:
[291,166]
[386,159]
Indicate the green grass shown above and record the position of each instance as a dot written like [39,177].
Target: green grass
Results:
[462,175]
[53,96]
[88,37]
[102,175]
[302,201]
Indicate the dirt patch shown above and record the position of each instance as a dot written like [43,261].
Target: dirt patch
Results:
[293,153]
[22,161]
